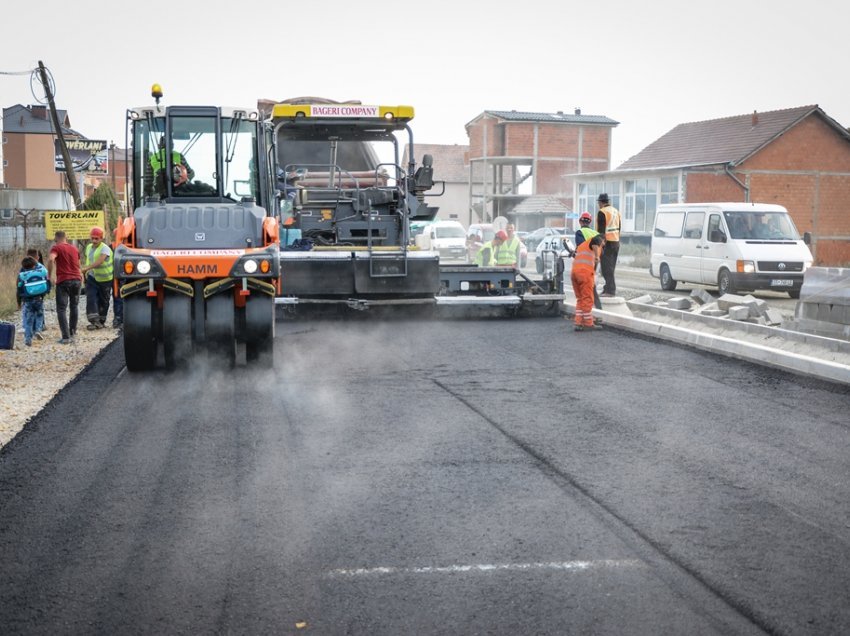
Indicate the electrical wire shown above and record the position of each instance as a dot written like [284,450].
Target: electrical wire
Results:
[36,79]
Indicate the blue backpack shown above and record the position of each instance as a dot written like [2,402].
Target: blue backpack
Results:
[33,282]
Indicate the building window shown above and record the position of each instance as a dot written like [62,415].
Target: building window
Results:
[7,214]
[588,192]
[640,205]
[669,190]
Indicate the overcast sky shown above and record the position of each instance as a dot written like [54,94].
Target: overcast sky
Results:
[648,65]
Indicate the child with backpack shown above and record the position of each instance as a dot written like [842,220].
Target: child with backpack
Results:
[33,286]
[36,254]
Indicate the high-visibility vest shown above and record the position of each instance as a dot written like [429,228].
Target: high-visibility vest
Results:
[158,159]
[505,256]
[586,234]
[612,223]
[103,272]
[585,259]
[511,246]
[486,251]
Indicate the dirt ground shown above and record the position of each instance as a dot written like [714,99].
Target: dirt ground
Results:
[31,376]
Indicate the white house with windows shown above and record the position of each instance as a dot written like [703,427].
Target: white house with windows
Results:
[635,194]
[797,157]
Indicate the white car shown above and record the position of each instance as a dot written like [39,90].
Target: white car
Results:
[446,237]
[548,249]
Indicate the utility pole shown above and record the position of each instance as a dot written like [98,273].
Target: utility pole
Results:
[66,157]
[112,164]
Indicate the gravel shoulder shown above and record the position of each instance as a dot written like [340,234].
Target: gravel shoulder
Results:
[31,376]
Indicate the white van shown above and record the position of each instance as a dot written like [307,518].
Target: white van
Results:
[735,246]
[446,237]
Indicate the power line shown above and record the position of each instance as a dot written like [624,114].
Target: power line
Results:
[17,72]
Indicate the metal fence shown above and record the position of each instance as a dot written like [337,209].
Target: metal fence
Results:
[17,237]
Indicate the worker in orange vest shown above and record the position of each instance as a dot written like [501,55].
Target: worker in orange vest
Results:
[583,276]
[608,224]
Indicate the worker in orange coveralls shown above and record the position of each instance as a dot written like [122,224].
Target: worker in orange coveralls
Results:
[583,274]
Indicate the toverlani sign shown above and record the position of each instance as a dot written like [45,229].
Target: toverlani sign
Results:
[76,224]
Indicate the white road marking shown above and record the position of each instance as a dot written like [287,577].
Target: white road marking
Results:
[491,567]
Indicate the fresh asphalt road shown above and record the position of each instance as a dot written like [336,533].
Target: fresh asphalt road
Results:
[433,477]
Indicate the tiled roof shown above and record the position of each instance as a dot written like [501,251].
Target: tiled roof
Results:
[541,203]
[20,119]
[718,141]
[448,161]
[549,118]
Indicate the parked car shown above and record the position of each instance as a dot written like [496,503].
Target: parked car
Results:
[547,249]
[533,238]
[446,237]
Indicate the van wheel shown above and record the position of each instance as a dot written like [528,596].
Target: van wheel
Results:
[794,293]
[667,282]
[724,283]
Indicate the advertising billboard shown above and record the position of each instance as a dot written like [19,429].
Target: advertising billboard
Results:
[75,223]
[90,155]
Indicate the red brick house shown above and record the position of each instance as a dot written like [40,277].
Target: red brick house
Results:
[514,155]
[796,157]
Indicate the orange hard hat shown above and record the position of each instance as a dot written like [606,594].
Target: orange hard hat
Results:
[96,232]
[502,235]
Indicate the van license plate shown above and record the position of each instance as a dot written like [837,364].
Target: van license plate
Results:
[781,282]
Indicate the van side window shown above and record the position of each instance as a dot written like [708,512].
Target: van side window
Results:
[669,224]
[693,225]
[715,230]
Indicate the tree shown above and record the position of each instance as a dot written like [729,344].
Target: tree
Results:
[104,198]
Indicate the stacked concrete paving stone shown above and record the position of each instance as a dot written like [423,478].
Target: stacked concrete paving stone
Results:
[824,306]
[732,306]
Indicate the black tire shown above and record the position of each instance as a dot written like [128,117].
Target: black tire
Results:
[259,331]
[724,283]
[220,329]
[794,293]
[139,340]
[668,283]
[176,330]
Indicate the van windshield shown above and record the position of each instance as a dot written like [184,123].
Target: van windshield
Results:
[776,226]
[450,232]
